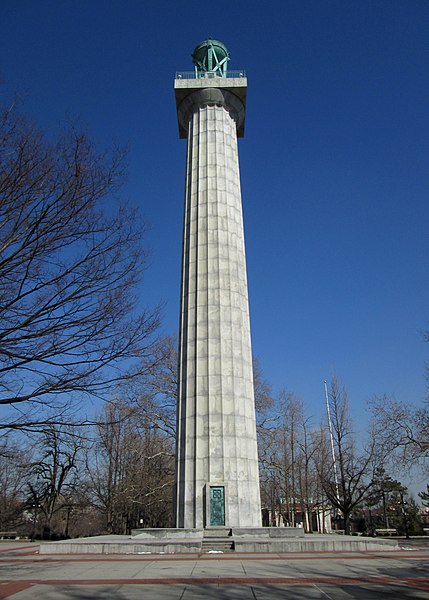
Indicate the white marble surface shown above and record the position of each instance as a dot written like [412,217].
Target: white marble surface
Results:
[216,416]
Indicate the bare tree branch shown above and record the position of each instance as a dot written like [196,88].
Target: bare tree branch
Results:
[70,267]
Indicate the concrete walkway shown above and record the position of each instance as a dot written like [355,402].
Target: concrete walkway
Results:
[27,575]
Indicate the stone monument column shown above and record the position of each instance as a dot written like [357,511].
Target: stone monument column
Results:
[217,480]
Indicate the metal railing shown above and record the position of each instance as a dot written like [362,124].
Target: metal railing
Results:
[208,75]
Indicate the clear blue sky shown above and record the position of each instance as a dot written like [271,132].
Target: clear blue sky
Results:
[334,163]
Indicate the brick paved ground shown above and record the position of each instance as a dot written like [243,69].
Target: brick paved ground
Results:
[24,575]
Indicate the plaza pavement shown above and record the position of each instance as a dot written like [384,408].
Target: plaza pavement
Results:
[26,575]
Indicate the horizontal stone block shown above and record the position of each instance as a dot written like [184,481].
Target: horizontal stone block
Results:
[159,533]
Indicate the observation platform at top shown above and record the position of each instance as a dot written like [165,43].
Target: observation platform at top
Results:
[210,75]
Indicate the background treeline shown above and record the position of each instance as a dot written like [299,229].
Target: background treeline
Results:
[111,476]
[309,470]
[68,480]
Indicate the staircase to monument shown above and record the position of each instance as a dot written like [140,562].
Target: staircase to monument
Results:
[217,539]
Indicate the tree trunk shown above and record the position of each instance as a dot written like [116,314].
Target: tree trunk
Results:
[346,517]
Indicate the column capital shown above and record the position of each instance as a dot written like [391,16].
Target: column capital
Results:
[191,95]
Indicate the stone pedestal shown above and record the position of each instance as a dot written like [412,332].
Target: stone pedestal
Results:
[177,541]
[217,481]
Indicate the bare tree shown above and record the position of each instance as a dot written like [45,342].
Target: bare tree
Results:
[264,400]
[292,415]
[313,500]
[350,483]
[154,397]
[14,474]
[321,460]
[54,475]
[289,481]
[270,471]
[131,468]
[402,429]
[70,262]
[266,428]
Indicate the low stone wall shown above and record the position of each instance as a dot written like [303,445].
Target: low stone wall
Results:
[244,542]
[311,544]
[125,546]
[268,532]
[167,533]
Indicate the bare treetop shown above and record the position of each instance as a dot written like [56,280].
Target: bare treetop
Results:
[68,272]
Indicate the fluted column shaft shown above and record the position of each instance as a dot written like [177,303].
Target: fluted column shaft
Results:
[216,432]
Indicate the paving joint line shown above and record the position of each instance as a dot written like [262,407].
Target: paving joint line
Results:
[70,558]
[310,581]
[322,591]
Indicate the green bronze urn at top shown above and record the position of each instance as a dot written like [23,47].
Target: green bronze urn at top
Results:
[210,56]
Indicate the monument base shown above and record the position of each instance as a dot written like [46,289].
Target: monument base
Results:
[217,540]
